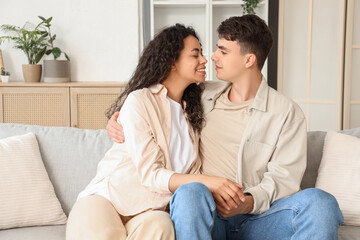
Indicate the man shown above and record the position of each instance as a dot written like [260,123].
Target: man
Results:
[256,137]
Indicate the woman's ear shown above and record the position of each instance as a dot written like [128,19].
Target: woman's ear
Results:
[250,60]
[173,67]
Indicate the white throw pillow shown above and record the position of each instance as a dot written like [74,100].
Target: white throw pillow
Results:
[27,197]
[339,174]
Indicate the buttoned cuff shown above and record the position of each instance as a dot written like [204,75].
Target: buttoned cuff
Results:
[261,200]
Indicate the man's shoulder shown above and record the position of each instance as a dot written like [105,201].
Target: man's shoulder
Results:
[280,102]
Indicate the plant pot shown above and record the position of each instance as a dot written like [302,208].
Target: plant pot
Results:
[32,72]
[56,71]
[4,78]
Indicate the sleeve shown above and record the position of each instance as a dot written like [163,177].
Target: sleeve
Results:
[285,168]
[142,148]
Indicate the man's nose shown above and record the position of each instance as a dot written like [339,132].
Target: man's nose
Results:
[213,57]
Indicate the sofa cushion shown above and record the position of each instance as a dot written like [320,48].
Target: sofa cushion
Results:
[339,174]
[35,233]
[349,233]
[315,144]
[70,156]
[26,194]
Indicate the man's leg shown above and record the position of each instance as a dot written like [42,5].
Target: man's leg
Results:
[309,214]
[192,210]
[154,225]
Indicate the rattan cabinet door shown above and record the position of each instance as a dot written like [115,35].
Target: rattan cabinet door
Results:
[89,104]
[46,106]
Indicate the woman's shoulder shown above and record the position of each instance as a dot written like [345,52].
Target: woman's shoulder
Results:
[139,95]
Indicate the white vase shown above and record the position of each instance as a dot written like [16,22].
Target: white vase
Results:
[5,78]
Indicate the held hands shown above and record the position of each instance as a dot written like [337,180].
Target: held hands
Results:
[115,130]
[227,194]
[244,208]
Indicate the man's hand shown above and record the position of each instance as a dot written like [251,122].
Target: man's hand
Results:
[226,193]
[114,129]
[244,208]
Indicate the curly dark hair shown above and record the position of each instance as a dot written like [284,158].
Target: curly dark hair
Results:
[154,67]
[251,32]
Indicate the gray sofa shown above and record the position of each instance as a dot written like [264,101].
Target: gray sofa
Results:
[71,155]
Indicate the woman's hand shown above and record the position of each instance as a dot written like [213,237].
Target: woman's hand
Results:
[226,193]
[115,129]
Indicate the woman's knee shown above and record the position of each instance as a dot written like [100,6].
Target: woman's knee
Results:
[151,225]
[93,217]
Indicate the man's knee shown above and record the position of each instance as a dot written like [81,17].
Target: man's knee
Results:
[316,196]
[192,191]
[321,203]
[192,201]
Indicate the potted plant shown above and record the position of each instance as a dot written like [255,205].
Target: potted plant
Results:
[249,6]
[54,70]
[4,75]
[32,41]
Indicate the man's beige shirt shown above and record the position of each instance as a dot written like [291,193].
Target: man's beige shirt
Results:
[271,156]
[221,136]
[140,180]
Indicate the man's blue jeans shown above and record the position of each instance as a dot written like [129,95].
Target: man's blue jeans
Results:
[309,214]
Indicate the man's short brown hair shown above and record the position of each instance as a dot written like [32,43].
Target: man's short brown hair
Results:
[251,32]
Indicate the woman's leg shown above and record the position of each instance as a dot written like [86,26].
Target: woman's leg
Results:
[154,225]
[94,218]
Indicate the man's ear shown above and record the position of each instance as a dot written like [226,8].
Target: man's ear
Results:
[250,60]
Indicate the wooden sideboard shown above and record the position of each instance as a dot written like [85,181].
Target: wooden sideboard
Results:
[74,104]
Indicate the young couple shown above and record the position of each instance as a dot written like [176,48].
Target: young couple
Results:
[204,160]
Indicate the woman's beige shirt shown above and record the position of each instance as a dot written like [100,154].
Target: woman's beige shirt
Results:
[140,180]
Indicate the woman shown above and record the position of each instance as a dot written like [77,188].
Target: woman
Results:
[162,118]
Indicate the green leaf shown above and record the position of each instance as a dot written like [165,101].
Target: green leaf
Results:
[51,40]
[67,57]
[42,18]
[48,51]
[48,20]
[56,52]
[40,55]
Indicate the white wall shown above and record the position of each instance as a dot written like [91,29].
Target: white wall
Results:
[100,37]
[311,63]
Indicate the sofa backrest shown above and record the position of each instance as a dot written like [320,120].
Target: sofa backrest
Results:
[70,156]
[315,145]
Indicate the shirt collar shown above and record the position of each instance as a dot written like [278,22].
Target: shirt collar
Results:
[260,100]
[156,88]
[161,89]
[261,97]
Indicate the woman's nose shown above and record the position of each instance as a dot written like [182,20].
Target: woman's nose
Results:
[203,60]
